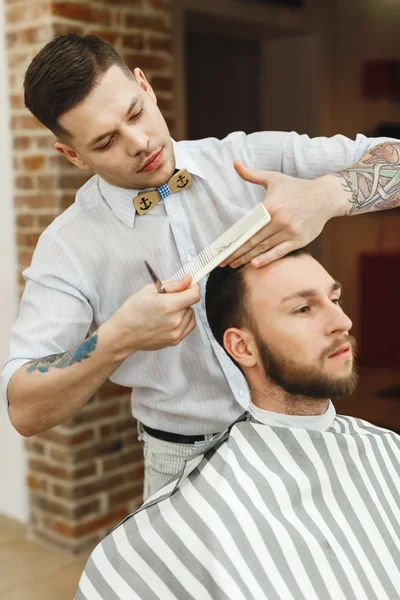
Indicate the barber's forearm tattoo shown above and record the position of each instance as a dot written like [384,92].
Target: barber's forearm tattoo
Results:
[64,359]
[373,183]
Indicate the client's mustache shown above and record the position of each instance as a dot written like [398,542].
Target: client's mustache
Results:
[348,339]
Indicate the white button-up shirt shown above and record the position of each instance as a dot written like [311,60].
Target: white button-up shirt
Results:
[91,259]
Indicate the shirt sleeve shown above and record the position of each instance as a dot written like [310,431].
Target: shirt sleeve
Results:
[55,314]
[302,156]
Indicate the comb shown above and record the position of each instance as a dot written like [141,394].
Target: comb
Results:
[214,254]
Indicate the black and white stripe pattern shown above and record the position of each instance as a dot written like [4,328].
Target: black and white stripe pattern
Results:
[269,513]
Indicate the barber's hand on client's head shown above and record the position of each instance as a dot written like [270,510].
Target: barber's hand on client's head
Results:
[299,209]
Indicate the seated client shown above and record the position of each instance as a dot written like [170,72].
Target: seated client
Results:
[293,502]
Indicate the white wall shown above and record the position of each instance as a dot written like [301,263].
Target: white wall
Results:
[13,493]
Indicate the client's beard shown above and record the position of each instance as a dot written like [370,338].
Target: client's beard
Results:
[312,382]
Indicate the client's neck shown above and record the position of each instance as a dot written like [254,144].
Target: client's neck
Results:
[276,399]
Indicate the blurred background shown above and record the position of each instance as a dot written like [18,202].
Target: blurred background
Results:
[319,67]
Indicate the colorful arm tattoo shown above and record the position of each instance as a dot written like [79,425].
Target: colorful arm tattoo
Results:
[64,359]
[373,183]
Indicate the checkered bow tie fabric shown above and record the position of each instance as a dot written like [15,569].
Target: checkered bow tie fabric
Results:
[145,201]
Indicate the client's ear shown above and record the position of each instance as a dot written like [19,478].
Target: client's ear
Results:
[240,345]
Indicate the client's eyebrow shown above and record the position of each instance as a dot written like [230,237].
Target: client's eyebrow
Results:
[311,292]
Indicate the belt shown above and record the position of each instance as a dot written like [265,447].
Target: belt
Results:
[176,438]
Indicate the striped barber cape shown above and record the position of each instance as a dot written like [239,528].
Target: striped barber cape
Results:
[264,512]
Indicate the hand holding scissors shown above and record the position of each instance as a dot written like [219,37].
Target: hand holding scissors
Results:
[157,281]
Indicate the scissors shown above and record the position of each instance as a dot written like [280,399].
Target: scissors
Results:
[157,281]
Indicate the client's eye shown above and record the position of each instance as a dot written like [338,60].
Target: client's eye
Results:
[337,301]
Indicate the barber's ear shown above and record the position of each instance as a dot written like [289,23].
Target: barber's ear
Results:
[240,345]
[71,155]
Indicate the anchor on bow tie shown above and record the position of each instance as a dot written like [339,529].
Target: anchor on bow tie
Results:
[181,180]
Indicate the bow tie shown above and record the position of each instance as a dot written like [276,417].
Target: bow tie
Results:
[180,180]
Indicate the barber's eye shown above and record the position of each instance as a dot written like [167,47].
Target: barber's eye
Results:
[106,145]
[337,301]
[136,115]
[303,310]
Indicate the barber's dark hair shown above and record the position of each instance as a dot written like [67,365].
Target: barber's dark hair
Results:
[226,293]
[63,73]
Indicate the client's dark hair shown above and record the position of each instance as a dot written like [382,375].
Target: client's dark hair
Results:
[226,294]
[63,73]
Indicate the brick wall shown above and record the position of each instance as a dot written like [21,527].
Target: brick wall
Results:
[85,475]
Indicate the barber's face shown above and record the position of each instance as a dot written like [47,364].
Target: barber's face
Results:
[118,131]
[303,334]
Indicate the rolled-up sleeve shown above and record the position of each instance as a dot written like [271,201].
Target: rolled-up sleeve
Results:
[305,157]
[55,313]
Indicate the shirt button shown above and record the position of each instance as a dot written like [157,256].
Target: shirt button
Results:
[222,351]
[241,393]
[173,209]
[188,257]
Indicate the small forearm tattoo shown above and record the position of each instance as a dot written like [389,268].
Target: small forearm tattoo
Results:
[373,183]
[64,359]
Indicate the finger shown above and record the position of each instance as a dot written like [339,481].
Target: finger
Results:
[275,253]
[186,316]
[265,234]
[177,286]
[189,326]
[262,248]
[184,299]
[253,175]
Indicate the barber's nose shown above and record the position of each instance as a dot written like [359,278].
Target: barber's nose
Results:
[137,141]
[339,322]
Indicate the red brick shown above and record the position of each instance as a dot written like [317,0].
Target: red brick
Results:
[64,28]
[25,220]
[36,483]
[147,61]
[21,13]
[25,258]
[45,221]
[86,471]
[56,161]
[21,142]
[84,490]
[67,440]
[103,448]
[158,43]
[134,40]
[45,468]
[164,84]
[92,525]
[11,40]
[24,182]
[33,163]
[110,36]
[81,12]
[25,122]
[66,200]
[109,390]
[73,181]
[34,35]
[46,141]
[36,201]
[147,22]
[125,495]
[47,182]
[16,101]
[27,239]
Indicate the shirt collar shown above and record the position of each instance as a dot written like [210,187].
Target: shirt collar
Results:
[120,200]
